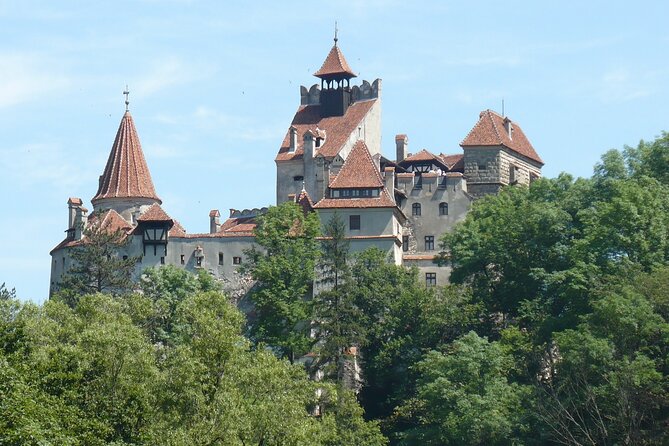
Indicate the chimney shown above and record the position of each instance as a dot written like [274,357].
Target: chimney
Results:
[308,144]
[72,204]
[389,181]
[508,125]
[293,139]
[214,221]
[402,144]
[79,221]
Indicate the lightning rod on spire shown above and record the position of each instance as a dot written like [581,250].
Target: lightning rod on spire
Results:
[126,92]
[335,38]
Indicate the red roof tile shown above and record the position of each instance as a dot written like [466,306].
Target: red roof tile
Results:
[155,213]
[335,66]
[382,201]
[337,129]
[490,130]
[358,171]
[423,155]
[111,222]
[304,201]
[126,173]
[418,256]
[453,161]
[177,230]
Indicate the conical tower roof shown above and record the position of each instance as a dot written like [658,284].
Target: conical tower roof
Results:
[126,174]
[335,66]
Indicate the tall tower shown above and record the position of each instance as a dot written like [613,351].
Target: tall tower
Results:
[125,185]
[335,76]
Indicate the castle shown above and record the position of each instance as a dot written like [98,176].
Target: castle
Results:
[330,161]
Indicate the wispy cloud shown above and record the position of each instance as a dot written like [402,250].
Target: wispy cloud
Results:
[43,165]
[26,77]
[168,72]
[621,85]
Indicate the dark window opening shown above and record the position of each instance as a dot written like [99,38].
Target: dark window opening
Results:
[125,257]
[298,178]
[162,260]
[443,208]
[183,259]
[236,260]
[354,222]
[415,209]
[220,258]
[198,261]
[405,243]
[430,279]
[429,243]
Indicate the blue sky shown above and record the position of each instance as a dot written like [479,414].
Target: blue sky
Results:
[214,86]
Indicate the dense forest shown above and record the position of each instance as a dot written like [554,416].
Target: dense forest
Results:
[554,330]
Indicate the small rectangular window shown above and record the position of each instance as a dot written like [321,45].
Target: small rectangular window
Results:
[405,243]
[220,258]
[198,261]
[429,243]
[183,259]
[298,178]
[430,279]
[236,260]
[162,260]
[354,222]
[125,257]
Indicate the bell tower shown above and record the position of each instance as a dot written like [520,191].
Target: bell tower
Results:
[335,76]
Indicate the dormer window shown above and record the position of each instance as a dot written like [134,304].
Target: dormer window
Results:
[155,235]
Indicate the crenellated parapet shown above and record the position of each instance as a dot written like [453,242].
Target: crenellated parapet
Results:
[235,213]
[362,92]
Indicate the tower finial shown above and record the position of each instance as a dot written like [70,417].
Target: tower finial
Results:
[335,39]
[126,92]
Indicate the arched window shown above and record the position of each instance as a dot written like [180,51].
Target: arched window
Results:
[415,209]
[443,208]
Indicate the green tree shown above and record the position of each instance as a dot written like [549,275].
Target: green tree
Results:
[338,320]
[284,271]
[98,266]
[610,381]
[465,398]
[163,289]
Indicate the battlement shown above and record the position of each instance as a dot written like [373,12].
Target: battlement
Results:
[247,213]
[362,92]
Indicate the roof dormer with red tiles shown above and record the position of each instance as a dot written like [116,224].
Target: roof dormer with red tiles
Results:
[331,117]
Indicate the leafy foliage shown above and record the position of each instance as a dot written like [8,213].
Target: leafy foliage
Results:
[284,272]
[97,265]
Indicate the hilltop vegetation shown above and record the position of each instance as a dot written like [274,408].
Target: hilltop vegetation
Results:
[554,330]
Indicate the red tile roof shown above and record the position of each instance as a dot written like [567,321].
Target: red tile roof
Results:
[337,129]
[359,170]
[155,213]
[423,155]
[74,201]
[177,230]
[126,174]
[418,256]
[382,201]
[455,163]
[111,222]
[305,202]
[335,66]
[232,227]
[490,130]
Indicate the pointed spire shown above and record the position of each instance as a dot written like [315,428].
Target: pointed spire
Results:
[126,174]
[335,65]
